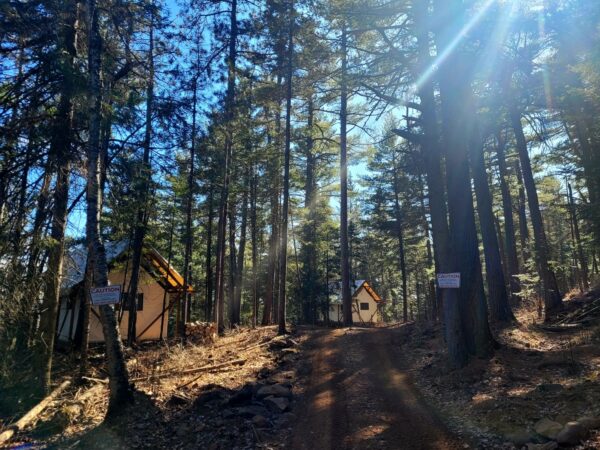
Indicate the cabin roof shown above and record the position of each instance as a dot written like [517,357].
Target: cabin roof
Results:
[335,291]
[152,262]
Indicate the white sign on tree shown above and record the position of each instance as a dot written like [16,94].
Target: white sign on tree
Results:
[107,295]
[448,280]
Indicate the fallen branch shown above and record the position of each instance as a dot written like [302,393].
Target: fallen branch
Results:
[210,369]
[96,380]
[560,328]
[33,413]
[235,362]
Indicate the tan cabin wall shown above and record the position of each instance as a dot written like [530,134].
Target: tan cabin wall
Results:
[372,315]
[153,305]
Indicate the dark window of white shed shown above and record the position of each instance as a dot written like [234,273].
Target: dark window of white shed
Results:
[364,306]
[140,302]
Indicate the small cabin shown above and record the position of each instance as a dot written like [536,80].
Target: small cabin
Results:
[366,303]
[160,287]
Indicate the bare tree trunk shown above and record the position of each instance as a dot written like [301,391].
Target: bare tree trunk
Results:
[344,250]
[552,296]
[229,113]
[497,295]
[580,254]
[232,261]
[281,316]
[237,300]
[61,150]
[458,116]
[400,237]
[455,339]
[510,244]
[120,392]
[209,273]
[144,191]
[254,237]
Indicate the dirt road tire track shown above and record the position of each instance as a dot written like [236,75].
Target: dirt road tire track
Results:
[359,397]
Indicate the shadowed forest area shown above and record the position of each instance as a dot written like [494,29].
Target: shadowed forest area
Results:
[299,223]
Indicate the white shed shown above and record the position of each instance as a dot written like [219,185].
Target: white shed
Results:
[366,303]
[160,288]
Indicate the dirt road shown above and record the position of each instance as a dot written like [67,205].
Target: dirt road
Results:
[358,397]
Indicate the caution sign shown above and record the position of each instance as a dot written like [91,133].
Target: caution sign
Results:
[107,295]
[448,280]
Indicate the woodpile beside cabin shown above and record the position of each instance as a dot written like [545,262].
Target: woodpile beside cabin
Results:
[160,289]
[366,303]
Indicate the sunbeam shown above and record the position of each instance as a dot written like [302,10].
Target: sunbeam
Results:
[446,52]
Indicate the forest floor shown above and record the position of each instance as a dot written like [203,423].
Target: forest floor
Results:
[357,388]
[537,377]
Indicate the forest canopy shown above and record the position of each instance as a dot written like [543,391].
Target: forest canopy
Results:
[267,149]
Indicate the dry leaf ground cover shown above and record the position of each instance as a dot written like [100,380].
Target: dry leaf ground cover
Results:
[536,374]
[193,410]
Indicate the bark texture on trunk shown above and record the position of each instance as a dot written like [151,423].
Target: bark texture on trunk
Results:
[120,391]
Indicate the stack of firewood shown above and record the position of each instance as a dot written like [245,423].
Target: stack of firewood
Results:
[201,331]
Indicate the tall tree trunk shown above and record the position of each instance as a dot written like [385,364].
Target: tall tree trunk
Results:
[237,301]
[223,206]
[580,254]
[344,250]
[432,157]
[232,261]
[120,392]
[400,237]
[522,214]
[209,246]
[552,297]
[139,233]
[61,151]
[254,237]
[510,243]
[500,310]
[189,233]
[281,316]
[458,118]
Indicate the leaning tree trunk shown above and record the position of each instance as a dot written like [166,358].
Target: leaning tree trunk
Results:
[552,297]
[120,392]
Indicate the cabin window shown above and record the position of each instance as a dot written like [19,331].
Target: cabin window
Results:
[364,306]
[140,301]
